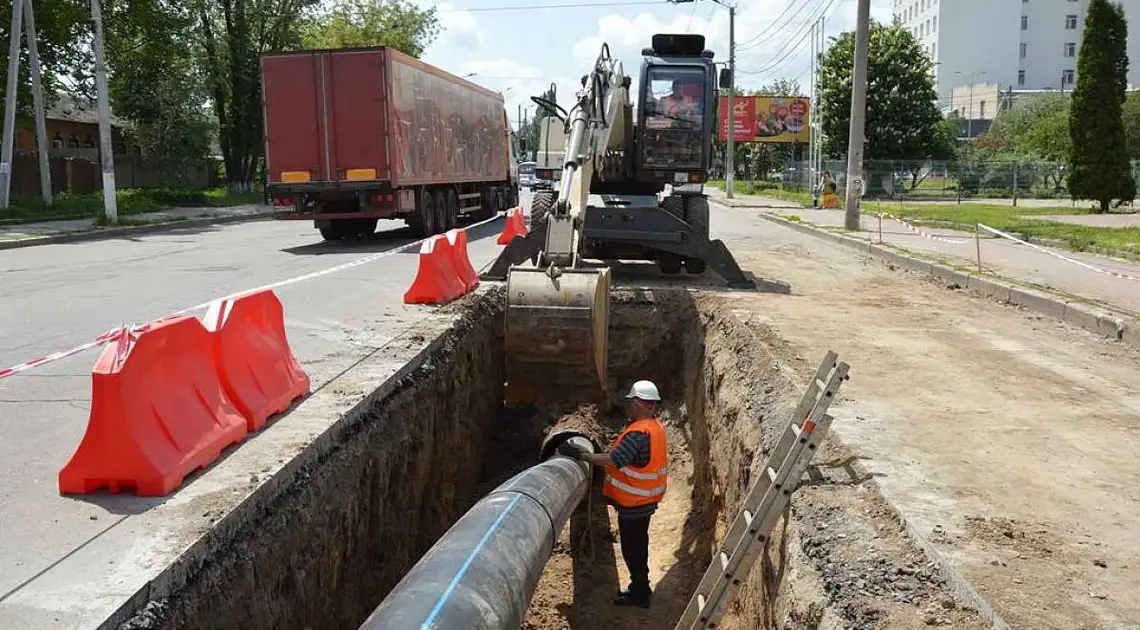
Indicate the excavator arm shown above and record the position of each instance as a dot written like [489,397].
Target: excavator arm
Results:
[558,312]
[596,127]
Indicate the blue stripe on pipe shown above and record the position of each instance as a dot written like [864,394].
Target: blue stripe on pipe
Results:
[467,564]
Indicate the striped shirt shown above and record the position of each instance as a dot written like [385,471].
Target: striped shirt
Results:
[633,450]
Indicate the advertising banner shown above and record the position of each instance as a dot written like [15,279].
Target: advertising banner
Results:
[767,119]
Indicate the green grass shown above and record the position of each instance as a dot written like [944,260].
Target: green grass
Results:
[1017,221]
[131,201]
[1008,218]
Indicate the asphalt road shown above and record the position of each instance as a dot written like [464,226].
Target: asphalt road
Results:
[56,297]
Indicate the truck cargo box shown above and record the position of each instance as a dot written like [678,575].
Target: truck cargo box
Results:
[356,117]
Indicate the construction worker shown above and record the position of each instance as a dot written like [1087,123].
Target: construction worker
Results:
[635,482]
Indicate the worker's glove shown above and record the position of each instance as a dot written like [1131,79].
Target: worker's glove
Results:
[569,450]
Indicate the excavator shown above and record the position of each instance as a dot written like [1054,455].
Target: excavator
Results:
[611,204]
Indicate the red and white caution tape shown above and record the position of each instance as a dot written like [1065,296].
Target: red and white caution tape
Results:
[1079,263]
[101,340]
[133,331]
[923,233]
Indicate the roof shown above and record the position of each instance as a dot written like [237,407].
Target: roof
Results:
[82,111]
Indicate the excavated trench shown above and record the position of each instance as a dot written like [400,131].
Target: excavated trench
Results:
[354,517]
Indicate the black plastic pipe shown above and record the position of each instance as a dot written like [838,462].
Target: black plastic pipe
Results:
[482,573]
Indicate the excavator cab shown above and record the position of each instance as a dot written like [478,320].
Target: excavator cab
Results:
[677,111]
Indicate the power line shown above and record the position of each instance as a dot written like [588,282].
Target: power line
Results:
[782,56]
[771,24]
[787,22]
[531,7]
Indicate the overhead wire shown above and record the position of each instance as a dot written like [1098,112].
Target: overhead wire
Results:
[748,42]
[530,7]
[780,58]
[792,19]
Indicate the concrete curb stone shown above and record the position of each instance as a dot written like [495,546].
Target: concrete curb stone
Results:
[130,230]
[1089,317]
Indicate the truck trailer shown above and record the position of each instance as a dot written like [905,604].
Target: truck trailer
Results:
[357,135]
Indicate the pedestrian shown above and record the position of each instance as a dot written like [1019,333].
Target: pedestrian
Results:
[636,477]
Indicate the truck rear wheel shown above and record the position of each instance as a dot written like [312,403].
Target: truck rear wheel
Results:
[452,208]
[334,231]
[439,200]
[697,215]
[486,205]
[422,221]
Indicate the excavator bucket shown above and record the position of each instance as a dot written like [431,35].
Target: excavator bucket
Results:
[557,333]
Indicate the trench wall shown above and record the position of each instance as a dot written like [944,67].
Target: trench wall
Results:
[358,511]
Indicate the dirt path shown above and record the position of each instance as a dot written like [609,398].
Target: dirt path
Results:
[1009,440]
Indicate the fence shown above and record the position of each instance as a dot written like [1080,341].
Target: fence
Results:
[80,175]
[941,181]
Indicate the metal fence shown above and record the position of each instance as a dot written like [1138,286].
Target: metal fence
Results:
[944,181]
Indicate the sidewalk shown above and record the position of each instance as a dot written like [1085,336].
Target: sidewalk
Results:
[26,234]
[1000,257]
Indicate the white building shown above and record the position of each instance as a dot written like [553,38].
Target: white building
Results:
[1027,44]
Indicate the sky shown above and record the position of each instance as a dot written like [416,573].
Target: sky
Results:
[520,47]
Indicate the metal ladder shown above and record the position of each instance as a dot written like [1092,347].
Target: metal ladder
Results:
[766,499]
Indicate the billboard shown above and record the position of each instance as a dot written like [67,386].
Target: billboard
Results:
[766,119]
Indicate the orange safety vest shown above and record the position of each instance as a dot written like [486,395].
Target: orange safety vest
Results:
[630,486]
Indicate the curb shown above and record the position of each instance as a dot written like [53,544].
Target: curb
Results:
[109,233]
[1114,326]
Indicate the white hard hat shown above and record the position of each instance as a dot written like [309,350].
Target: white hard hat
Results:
[645,390]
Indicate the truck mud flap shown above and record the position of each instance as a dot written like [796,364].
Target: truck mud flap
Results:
[521,248]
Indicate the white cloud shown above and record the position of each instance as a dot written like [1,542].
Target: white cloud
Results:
[460,28]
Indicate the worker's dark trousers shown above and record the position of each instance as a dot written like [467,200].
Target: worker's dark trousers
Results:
[634,535]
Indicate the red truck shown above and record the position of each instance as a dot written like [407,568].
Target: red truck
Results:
[357,135]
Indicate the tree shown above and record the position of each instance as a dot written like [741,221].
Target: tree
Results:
[902,119]
[61,26]
[349,23]
[156,84]
[1099,165]
[1131,116]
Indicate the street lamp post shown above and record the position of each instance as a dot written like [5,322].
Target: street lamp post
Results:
[730,139]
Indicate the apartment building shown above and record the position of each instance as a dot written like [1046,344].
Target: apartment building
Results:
[1027,44]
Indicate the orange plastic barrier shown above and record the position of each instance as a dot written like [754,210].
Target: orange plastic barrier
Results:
[515,226]
[256,366]
[158,412]
[457,241]
[436,279]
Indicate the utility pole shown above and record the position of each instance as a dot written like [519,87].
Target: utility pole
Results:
[12,85]
[729,166]
[858,116]
[811,110]
[38,102]
[106,154]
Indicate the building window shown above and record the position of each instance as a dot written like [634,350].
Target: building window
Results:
[1067,77]
[934,50]
[1024,50]
[73,141]
[1070,49]
[934,23]
[1025,22]
[1021,77]
[88,142]
[57,141]
[981,112]
[1070,22]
